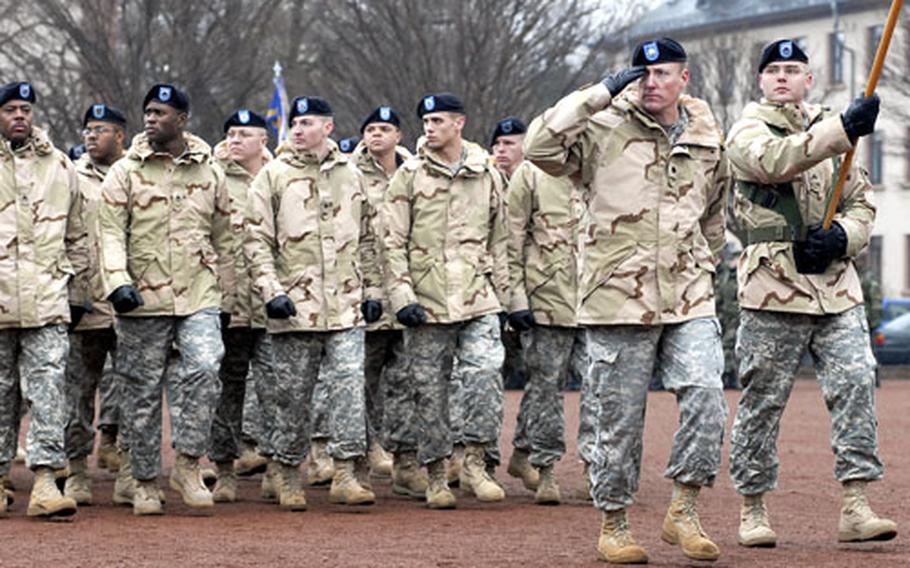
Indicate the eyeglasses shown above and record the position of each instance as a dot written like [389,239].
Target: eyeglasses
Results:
[97,131]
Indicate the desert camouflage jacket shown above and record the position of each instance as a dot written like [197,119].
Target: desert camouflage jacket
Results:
[44,255]
[446,237]
[776,143]
[90,177]
[249,309]
[544,217]
[376,182]
[655,208]
[166,229]
[309,236]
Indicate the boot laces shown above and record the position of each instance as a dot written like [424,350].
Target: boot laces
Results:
[690,511]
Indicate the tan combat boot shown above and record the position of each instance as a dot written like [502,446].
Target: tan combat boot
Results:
[7,483]
[289,484]
[21,454]
[547,489]
[585,492]
[754,524]
[520,467]
[362,472]
[46,499]
[346,489]
[616,544]
[267,489]
[682,527]
[208,476]
[455,465]
[320,469]
[438,494]
[146,498]
[380,461]
[407,477]
[186,479]
[474,476]
[124,485]
[78,483]
[108,457]
[225,490]
[250,461]
[858,523]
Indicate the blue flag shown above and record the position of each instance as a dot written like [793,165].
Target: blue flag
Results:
[277,115]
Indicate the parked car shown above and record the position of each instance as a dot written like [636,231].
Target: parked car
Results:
[894,307]
[891,343]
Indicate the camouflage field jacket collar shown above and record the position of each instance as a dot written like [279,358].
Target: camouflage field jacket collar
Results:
[702,129]
[790,117]
[37,142]
[197,151]
[85,166]
[366,162]
[303,159]
[232,168]
[476,160]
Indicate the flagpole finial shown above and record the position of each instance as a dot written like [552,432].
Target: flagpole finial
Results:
[277,69]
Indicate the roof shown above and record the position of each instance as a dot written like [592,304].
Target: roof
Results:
[684,18]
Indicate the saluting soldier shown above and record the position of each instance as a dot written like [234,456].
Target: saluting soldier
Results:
[652,164]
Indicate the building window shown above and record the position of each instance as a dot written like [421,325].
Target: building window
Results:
[873,37]
[876,155]
[875,257]
[836,61]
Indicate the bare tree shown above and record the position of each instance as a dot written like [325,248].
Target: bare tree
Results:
[723,74]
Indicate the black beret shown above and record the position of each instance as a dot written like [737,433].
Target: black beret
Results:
[506,127]
[663,50]
[381,114]
[18,91]
[316,106]
[781,50]
[440,102]
[347,145]
[244,117]
[169,95]
[75,152]
[103,113]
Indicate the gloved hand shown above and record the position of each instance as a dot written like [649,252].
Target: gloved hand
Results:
[618,81]
[503,318]
[859,118]
[813,255]
[832,244]
[371,310]
[125,299]
[76,313]
[280,307]
[522,320]
[412,315]
[225,318]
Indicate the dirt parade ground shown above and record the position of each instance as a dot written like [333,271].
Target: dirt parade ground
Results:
[401,532]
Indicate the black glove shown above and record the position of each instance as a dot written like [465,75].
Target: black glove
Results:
[859,118]
[412,315]
[522,320]
[371,310]
[813,255]
[503,318]
[225,318]
[76,313]
[125,299]
[618,81]
[280,307]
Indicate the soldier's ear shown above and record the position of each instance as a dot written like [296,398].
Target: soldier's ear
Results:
[182,118]
[810,78]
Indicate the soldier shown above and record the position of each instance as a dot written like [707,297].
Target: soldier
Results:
[799,289]
[651,159]
[167,265]
[247,347]
[390,411]
[447,279]
[312,253]
[44,264]
[93,340]
[544,215]
[727,307]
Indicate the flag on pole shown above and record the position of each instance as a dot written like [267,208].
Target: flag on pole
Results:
[277,115]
